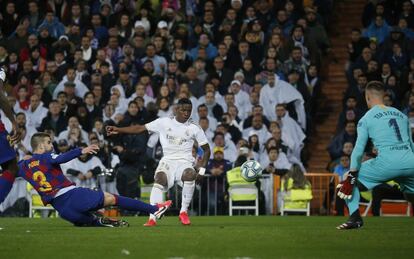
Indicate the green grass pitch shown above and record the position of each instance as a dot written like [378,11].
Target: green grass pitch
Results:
[209,237]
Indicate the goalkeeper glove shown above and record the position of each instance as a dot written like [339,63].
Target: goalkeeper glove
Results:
[347,186]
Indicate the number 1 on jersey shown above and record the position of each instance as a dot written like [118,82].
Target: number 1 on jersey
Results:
[393,123]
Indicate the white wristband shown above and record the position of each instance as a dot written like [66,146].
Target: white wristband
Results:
[201,171]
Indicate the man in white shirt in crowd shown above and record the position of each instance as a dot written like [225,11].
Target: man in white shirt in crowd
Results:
[36,112]
[259,129]
[140,91]
[278,91]
[290,127]
[202,112]
[230,150]
[73,123]
[204,124]
[241,99]
[80,88]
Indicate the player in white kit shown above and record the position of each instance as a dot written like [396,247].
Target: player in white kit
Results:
[177,135]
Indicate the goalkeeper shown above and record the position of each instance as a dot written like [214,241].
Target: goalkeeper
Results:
[390,132]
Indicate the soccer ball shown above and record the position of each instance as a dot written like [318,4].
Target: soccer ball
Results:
[251,170]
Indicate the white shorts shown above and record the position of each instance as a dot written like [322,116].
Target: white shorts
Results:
[173,169]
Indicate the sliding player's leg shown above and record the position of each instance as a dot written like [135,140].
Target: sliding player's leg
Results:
[188,177]
[9,172]
[76,205]
[126,203]
[157,192]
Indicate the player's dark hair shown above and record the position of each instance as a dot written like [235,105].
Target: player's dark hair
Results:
[183,101]
[377,86]
[37,139]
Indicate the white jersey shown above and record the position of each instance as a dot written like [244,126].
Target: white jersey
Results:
[177,138]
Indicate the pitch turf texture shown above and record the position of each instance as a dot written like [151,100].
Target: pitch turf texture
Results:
[209,237]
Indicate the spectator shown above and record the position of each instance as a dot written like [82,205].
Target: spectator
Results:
[36,112]
[224,75]
[51,22]
[55,119]
[230,151]
[277,91]
[159,62]
[257,128]
[348,134]
[357,44]
[256,110]
[84,170]
[73,123]
[80,87]
[277,162]
[217,167]
[10,19]
[378,29]
[241,98]
[290,127]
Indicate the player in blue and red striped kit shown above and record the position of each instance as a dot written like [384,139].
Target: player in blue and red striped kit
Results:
[75,204]
[8,160]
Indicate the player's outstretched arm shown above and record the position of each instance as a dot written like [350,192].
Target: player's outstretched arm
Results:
[67,156]
[134,129]
[92,149]
[7,109]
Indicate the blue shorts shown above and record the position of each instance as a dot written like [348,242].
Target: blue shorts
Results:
[77,205]
[7,153]
[376,171]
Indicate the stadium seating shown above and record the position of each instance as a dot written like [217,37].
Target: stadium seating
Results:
[300,202]
[398,208]
[243,193]
[35,203]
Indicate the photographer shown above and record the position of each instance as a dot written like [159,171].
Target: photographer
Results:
[231,127]
[85,169]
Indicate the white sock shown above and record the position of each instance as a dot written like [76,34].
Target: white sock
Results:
[187,193]
[156,196]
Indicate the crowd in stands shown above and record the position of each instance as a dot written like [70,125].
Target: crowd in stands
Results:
[383,50]
[250,67]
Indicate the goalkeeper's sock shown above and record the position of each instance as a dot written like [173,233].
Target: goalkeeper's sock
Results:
[134,205]
[6,183]
[156,196]
[187,195]
[353,203]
